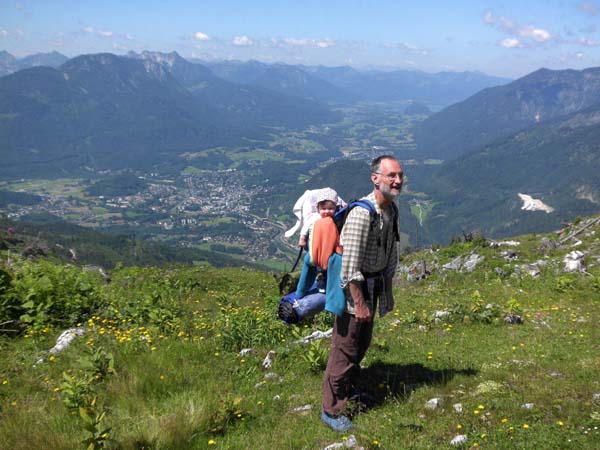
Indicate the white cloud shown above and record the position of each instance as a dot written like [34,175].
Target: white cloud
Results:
[537,34]
[92,30]
[294,41]
[325,43]
[242,41]
[201,36]
[588,7]
[304,42]
[489,18]
[58,40]
[510,43]
[588,42]
[520,35]
[4,33]
[407,48]
[579,55]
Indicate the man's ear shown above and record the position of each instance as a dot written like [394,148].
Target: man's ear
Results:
[374,178]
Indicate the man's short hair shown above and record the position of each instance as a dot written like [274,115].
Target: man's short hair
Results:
[377,162]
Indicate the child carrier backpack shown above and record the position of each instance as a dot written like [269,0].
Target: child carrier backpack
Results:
[342,214]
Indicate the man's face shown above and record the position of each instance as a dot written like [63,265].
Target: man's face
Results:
[389,178]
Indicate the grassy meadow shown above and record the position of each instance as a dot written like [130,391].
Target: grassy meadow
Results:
[158,365]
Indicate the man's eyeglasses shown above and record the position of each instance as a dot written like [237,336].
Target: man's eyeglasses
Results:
[391,176]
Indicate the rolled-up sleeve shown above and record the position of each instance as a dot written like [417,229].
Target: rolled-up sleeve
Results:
[354,239]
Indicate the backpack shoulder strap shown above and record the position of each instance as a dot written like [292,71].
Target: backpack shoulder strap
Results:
[368,205]
[396,226]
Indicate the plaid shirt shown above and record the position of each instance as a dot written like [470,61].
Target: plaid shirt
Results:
[367,250]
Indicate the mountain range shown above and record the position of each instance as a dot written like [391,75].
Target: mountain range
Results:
[347,85]
[144,110]
[108,111]
[538,135]
[10,63]
[557,162]
[497,112]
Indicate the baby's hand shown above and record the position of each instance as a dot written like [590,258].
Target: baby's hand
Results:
[302,241]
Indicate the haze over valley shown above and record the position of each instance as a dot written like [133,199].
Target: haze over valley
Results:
[212,156]
[193,136]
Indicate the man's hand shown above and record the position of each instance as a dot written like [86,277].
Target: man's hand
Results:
[361,310]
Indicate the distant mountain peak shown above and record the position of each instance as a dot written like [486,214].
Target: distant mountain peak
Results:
[98,58]
[161,58]
[5,56]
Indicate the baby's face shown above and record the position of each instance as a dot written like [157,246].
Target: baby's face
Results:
[326,209]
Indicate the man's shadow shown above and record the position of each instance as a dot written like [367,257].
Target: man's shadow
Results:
[382,381]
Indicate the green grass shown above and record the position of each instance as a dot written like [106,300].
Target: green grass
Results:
[276,264]
[256,155]
[421,210]
[190,170]
[99,210]
[62,185]
[180,382]
[217,221]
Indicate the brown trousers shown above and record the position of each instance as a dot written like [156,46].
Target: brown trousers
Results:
[350,341]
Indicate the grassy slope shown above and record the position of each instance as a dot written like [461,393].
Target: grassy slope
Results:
[180,383]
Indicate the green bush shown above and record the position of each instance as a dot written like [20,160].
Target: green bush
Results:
[242,327]
[151,296]
[563,283]
[316,356]
[50,294]
[10,306]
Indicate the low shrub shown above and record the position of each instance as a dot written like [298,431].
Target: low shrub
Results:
[49,294]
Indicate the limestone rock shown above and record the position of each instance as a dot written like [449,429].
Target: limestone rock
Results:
[467,263]
[509,255]
[65,339]
[268,361]
[433,403]
[459,439]
[574,261]
[547,244]
[315,336]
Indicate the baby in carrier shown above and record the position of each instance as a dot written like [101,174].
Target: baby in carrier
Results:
[322,263]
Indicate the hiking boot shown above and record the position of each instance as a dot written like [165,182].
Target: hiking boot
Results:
[339,423]
[287,313]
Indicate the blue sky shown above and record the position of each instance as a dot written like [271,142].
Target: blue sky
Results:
[505,38]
